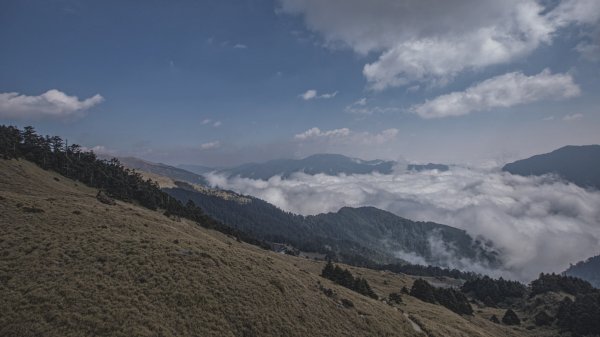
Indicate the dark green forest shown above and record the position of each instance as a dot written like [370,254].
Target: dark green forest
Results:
[345,278]
[450,298]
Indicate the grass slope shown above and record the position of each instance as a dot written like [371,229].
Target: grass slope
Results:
[72,266]
[84,268]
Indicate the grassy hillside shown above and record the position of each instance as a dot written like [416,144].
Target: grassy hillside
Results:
[72,266]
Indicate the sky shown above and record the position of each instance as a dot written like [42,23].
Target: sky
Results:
[220,83]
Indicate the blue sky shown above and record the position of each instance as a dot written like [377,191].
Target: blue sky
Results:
[225,82]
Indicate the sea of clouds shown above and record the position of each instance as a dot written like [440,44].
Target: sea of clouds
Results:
[541,224]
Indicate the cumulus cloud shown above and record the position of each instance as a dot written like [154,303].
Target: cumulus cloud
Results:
[51,104]
[431,41]
[313,94]
[214,124]
[360,107]
[345,135]
[317,133]
[210,145]
[240,46]
[101,150]
[573,117]
[500,92]
[541,224]
[370,110]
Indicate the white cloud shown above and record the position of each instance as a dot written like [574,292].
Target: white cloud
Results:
[210,145]
[240,46]
[348,136]
[317,133]
[589,51]
[361,102]
[309,94]
[431,41]
[500,92]
[360,107]
[213,123]
[101,150]
[539,223]
[312,94]
[572,117]
[51,104]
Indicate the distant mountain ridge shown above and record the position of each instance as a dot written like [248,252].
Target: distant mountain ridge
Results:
[588,270]
[330,164]
[172,172]
[577,164]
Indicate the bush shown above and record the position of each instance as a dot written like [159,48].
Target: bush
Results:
[424,291]
[347,303]
[542,318]
[450,298]
[511,318]
[344,278]
[395,298]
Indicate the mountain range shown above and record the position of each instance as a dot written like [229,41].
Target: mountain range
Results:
[577,164]
[329,164]
[73,265]
[160,169]
[363,235]
[92,248]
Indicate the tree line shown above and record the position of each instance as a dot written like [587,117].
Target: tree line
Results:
[74,162]
[450,298]
[345,278]
[492,292]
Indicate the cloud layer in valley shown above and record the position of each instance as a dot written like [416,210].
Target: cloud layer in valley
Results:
[51,104]
[540,223]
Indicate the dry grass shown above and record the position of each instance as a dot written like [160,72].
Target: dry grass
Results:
[82,268]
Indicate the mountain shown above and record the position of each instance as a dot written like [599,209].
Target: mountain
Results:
[577,164]
[129,260]
[588,270]
[74,266]
[427,167]
[386,232]
[330,164]
[163,170]
[366,232]
[198,169]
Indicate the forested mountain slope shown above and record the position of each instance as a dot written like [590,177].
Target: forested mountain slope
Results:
[367,232]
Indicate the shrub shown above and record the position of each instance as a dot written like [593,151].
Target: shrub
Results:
[542,318]
[511,318]
[395,298]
